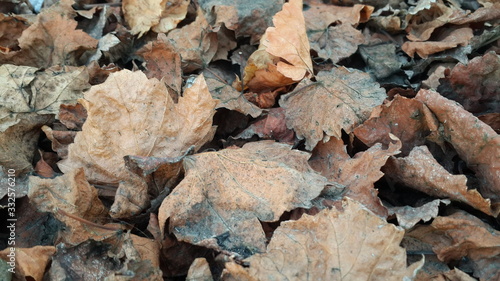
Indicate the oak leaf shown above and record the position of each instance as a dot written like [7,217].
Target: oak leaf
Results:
[339,100]
[288,41]
[347,244]
[475,142]
[225,193]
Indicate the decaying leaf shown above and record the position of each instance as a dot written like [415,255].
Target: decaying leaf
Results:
[463,235]
[271,126]
[339,100]
[52,40]
[72,194]
[347,244]
[288,40]
[161,16]
[30,263]
[476,143]
[409,216]
[447,39]
[225,193]
[408,119]
[357,174]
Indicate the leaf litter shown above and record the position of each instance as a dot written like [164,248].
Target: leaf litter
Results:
[262,140]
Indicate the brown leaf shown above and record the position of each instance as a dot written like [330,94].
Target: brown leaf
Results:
[11,28]
[72,194]
[422,172]
[72,116]
[463,235]
[43,169]
[29,263]
[476,143]
[408,119]
[161,16]
[230,190]
[272,126]
[340,99]
[447,39]
[288,40]
[476,85]
[196,43]
[424,18]
[52,40]
[261,73]
[358,174]
[351,244]
[162,62]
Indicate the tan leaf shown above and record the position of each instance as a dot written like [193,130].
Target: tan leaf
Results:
[358,174]
[422,172]
[476,143]
[72,194]
[52,40]
[340,99]
[160,16]
[409,216]
[225,193]
[288,40]
[463,235]
[131,115]
[30,263]
[447,39]
[199,271]
[350,244]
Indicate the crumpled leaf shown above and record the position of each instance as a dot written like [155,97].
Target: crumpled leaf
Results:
[465,236]
[358,174]
[409,216]
[408,119]
[347,244]
[288,41]
[217,200]
[162,62]
[142,121]
[246,18]
[52,40]
[339,100]
[447,39]
[476,85]
[341,40]
[30,263]
[475,142]
[72,194]
[196,43]
[161,16]
[11,28]
[25,89]
[420,171]
[271,126]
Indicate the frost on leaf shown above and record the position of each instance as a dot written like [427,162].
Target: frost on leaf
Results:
[225,193]
[339,100]
[348,244]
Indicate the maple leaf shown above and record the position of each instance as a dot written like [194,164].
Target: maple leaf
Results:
[288,40]
[340,99]
[347,244]
[217,199]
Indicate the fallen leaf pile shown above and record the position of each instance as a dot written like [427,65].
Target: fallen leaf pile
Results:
[250,140]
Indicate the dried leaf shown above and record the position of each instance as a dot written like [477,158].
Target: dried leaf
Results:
[228,204]
[421,171]
[476,143]
[447,39]
[351,244]
[358,174]
[161,16]
[52,40]
[199,271]
[463,235]
[271,126]
[409,216]
[30,263]
[340,99]
[72,194]
[288,40]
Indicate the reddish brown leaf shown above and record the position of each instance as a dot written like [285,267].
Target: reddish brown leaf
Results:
[272,126]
